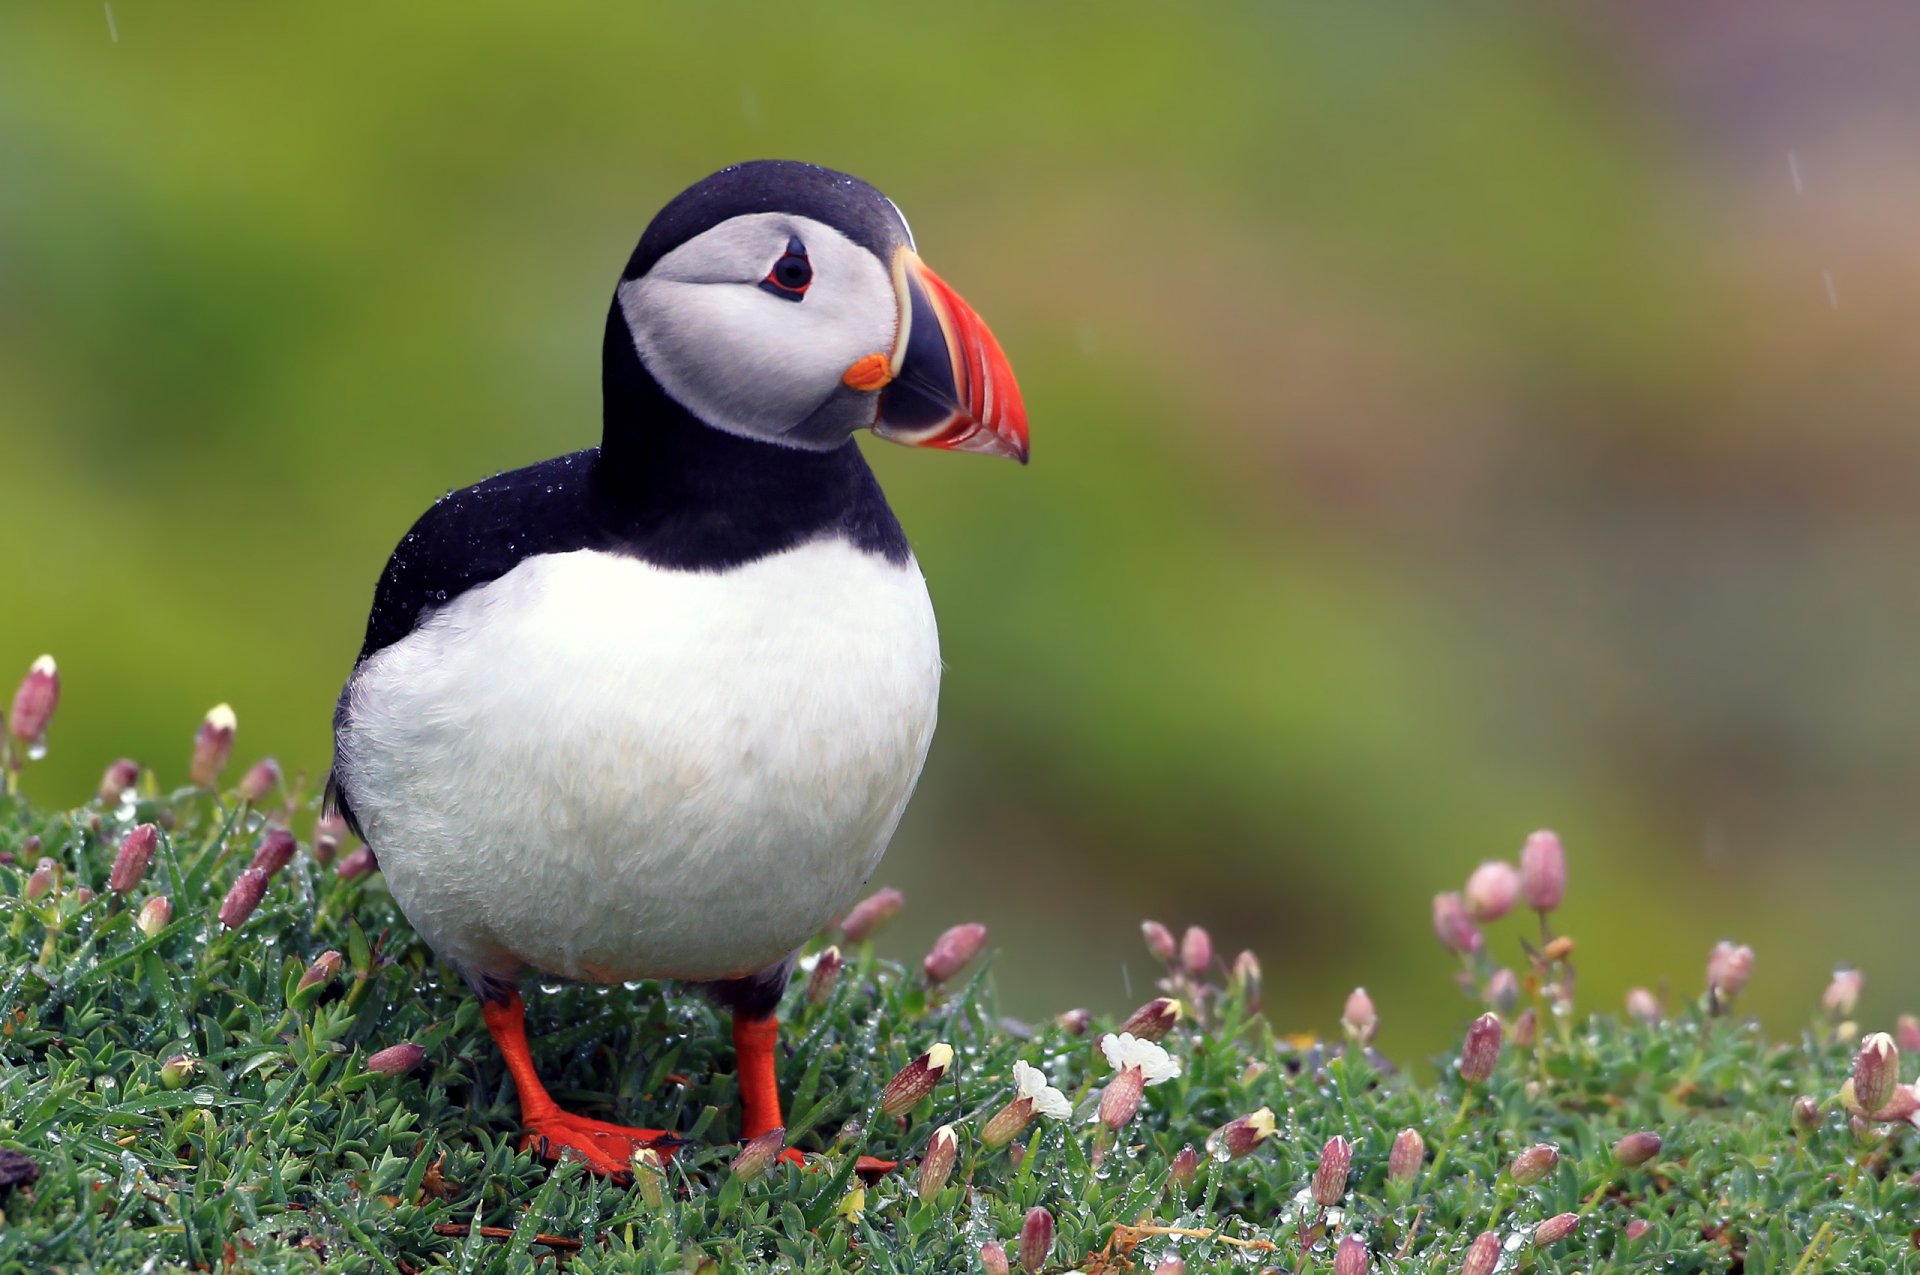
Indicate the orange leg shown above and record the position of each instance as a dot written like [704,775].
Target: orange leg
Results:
[606,1148]
[754,1041]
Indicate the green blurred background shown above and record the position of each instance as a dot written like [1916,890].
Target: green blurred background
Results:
[1446,421]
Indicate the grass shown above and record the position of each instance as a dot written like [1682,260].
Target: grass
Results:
[274,1146]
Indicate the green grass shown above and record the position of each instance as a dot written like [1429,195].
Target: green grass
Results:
[282,1151]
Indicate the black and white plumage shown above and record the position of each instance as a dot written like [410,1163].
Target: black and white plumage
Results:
[654,709]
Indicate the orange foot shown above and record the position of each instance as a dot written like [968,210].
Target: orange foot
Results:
[604,1148]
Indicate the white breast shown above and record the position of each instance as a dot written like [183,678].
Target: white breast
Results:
[608,770]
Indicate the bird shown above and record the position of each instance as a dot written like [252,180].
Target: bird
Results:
[653,709]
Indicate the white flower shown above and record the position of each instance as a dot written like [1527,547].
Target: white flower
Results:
[1047,1101]
[1125,1050]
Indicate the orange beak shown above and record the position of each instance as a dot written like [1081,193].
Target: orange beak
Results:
[951,385]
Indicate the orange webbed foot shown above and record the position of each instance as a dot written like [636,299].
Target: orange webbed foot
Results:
[604,1148]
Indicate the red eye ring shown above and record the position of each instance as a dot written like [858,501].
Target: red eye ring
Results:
[792,275]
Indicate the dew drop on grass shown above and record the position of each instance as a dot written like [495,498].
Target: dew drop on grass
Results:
[37,749]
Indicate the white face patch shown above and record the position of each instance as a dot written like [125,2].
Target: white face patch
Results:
[747,361]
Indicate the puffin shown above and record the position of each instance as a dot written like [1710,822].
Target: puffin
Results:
[653,709]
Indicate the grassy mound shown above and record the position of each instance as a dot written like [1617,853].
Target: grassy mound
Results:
[182,1095]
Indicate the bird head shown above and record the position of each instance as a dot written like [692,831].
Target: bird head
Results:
[786,302]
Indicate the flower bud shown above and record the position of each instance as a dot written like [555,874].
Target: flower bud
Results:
[1241,1135]
[993,1256]
[155,915]
[1036,1239]
[1330,1175]
[1153,1020]
[397,1060]
[1171,1266]
[1555,1229]
[1526,1029]
[1408,1153]
[176,1071]
[328,831]
[135,856]
[1637,1148]
[1453,927]
[758,1155]
[870,913]
[1543,871]
[1483,1255]
[1876,1072]
[1843,993]
[1075,1022]
[1007,1123]
[1351,1257]
[936,1166]
[261,778]
[1196,950]
[34,702]
[1503,991]
[1805,1114]
[41,879]
[1120,1100]
[325,968]
[248,889]
[953,951]
[83,896]
[1643,1006]
[118,780]
[1492,891]
[916,1081]
[1357,1017]
[1246,977]
[275,851]
[824,974]
[1185,1168]
[1159,941]
[213,745]
[357,864]
[1481,1050]
[1636,1228]
[1532,1166]
[1906,1033]
[1728,969]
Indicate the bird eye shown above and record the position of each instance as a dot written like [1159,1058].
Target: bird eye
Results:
[791,274]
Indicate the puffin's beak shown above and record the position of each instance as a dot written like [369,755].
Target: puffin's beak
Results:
[950,384]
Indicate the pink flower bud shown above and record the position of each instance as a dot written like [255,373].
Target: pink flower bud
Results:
[1533,1165]
[1555,1229]
[1196,950]
[993,1256]
[275,851]
[1358,1018]
[135,856]
[1185,1168]
[1330,1175]
[1492,891]
[1153,1020]
[1007,1123]
[1481,1051]
[1483,1255]
[1637,1148]
[1543,871]
[213,745]
[325,968]
[397,1060]
[872,912]
[1159,941]
[1906,1033]
[953,951]
[936,1166]
[248,889]
[1408,1153]
[1246,977]
[1728,969]
[83,896]
[916,1081]
[1036,1239]
[1242,1135]
[155,915]
[1453,927]
[1876,1072]
[758,1155]
[357,864]
[1171,1266]
[328,830]
[1526,1029]
[1120,1100]
[1805,1114]
[118,780]
[1503,991]
[261,778]
[40,880]
[1351,1257]
[1843,993]
[1643,1006]
[1636,1228]
[34,702]
[1075,1022]
[824,974]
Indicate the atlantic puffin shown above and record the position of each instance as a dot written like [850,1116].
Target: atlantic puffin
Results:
[653,709]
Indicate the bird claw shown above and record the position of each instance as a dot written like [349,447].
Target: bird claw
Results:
[606,1149]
